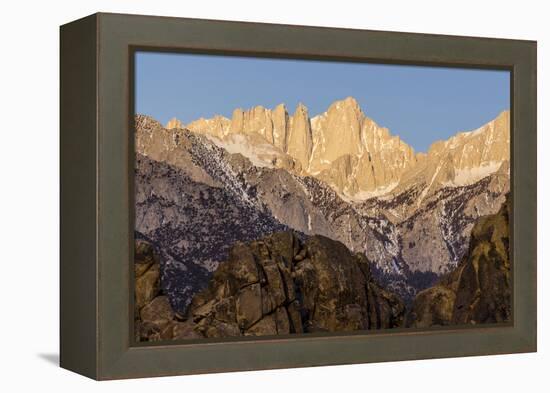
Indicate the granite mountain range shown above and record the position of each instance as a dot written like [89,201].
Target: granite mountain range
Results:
[202,187]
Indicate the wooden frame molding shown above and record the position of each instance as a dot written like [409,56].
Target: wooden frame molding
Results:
[97,158]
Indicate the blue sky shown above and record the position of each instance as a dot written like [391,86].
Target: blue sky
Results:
[420,104]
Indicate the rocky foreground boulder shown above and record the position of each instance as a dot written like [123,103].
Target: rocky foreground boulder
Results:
[276,285]
[479,290]
[154,318]
[281,285]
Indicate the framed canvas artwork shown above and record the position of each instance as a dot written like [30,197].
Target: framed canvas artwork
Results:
[254,196]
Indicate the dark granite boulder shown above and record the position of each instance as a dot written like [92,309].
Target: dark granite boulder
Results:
[479,289]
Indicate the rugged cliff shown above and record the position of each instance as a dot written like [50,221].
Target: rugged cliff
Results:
[358,158]
[276,285]
[479,290]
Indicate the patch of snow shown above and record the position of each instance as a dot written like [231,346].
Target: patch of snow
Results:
[364,195]
[476,131]
[467,176]
[260,155]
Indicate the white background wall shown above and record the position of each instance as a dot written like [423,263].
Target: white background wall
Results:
[29,193]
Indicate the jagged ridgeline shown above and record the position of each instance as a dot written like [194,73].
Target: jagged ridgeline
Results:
[204,187]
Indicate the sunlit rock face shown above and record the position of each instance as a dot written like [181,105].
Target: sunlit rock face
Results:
[354,155]
[202,186]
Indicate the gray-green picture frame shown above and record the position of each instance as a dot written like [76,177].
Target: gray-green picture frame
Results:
[97,161]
